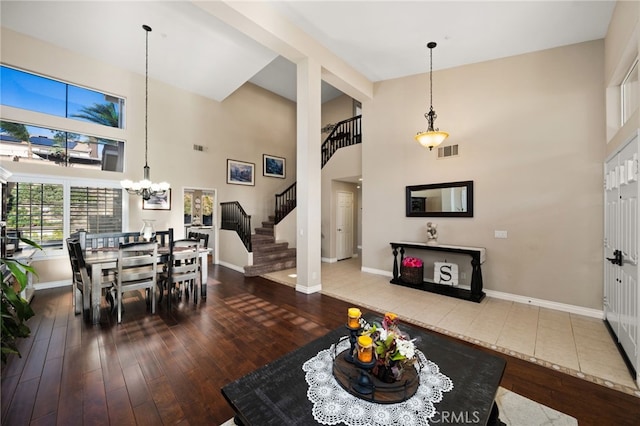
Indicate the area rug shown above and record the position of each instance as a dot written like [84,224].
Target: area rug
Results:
[516,410]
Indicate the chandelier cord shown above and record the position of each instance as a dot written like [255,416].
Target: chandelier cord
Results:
[146,93]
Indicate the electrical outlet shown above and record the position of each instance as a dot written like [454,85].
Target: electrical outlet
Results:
[463,275]
[500,234]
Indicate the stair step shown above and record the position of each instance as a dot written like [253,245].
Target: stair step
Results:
[270,247]
[264,231]
[270,256]
[268,225]
[255,270]
[260,239]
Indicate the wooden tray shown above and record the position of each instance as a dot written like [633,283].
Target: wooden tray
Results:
[347,375]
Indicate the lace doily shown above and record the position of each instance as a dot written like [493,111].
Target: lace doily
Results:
[333,405]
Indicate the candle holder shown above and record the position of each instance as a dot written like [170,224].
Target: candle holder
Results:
[353,338]
[364,385]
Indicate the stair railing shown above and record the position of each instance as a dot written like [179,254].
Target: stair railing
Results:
[345,133]
[234,218]
[285,202]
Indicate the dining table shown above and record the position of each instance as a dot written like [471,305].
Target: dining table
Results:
[105,259]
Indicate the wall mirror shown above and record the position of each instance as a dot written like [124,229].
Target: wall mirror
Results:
[451,199]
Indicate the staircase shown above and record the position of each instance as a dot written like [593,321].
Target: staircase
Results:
[269,255]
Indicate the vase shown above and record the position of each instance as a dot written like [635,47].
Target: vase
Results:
[385,372]
[147,232]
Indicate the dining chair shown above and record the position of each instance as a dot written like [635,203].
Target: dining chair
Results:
[183,271]
[204,243]
[137,269]
[81,279]
[77,285]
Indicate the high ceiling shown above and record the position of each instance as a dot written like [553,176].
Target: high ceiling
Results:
[191,49]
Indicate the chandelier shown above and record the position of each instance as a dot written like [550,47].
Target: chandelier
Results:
[145,187]
[432,137]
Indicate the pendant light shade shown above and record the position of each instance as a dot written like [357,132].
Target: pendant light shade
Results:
[431,137]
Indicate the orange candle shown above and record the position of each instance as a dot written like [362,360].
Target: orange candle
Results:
[365,349]
[353,320]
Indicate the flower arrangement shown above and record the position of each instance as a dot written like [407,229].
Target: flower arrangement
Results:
[412,262]
[393,349]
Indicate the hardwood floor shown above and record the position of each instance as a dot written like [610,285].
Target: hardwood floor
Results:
[168,368]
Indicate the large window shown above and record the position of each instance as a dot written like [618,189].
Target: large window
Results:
[32,92]
[33,144]
[37,211]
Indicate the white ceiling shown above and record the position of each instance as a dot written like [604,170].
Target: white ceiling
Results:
[195,51]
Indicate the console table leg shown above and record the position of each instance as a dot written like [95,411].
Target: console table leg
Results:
[395,263]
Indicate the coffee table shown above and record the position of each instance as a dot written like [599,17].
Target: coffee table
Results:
[276,394]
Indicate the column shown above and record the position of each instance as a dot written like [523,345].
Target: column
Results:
[309,182]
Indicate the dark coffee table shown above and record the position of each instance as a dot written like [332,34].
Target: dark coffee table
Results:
[276,394]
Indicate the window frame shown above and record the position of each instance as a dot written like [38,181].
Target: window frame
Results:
[624,114]
[67,183]
[122,101]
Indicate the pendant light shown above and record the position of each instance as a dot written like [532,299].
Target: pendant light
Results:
[432,137]
[145,187]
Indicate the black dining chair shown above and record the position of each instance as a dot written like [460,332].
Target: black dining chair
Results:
[81,279]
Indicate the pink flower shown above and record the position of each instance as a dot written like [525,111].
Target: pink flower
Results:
[412,262]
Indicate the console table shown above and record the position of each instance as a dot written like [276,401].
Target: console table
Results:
[477,258]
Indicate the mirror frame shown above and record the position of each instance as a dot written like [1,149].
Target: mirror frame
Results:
[467,183]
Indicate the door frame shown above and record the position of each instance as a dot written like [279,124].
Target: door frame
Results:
[214,222]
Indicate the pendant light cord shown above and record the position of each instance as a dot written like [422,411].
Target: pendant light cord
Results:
[146,93]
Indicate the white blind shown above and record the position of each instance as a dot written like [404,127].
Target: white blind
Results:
[96,210]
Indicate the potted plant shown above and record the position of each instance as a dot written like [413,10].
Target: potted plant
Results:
[15,309]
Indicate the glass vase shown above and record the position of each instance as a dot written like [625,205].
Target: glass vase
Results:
[147,232]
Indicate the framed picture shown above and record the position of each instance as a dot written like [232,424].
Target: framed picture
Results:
[273,166]
[158,202]
[240,173]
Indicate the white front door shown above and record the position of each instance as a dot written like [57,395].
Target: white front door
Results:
[622,296]
[344,225]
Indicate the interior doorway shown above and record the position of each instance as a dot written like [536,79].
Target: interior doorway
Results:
[199,212]
[344,225]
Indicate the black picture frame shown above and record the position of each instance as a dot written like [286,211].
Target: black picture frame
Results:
[273,166]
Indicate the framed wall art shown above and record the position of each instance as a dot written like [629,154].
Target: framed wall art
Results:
[158,202]
[273,166]
[240,172]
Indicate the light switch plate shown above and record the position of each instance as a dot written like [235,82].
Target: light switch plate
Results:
[500,234]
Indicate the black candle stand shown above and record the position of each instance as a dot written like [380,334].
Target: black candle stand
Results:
[356,378]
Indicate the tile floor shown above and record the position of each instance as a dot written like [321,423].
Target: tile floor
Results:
[574,344]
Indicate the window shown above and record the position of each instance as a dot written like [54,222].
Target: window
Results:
[198,207]
[20,89]
[629,92]
[33,144]
[95,210]
[186,208]
[207,209]
[37,210]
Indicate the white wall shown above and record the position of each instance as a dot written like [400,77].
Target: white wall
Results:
[249,123]
[531,135]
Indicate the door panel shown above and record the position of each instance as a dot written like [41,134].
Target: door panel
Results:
[344,225]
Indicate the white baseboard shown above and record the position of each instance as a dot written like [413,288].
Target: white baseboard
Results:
[564,307]
[329,259]
[51,284]
[573,309]
[309,290]
[376,271]
[232,266]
